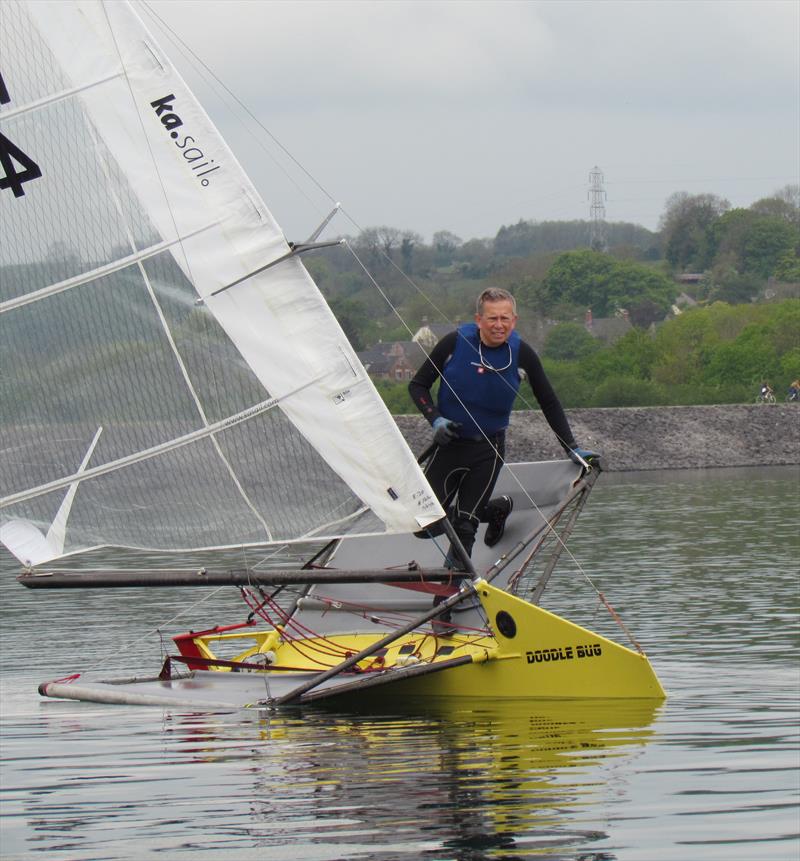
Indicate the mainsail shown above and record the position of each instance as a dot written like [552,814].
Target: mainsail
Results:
[143,405]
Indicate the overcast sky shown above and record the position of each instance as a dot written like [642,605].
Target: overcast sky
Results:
[465,116]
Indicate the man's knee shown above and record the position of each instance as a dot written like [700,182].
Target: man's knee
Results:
[431,531]
[465,528]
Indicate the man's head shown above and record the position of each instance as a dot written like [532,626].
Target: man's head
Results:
[496,316]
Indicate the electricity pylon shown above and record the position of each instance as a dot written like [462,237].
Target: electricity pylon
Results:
[598,234]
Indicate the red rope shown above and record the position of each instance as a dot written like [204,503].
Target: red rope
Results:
[295,632]
[290,624]
[335,650]
[619,621]
[67,680]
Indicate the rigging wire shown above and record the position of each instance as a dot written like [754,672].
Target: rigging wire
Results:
[443,381]
[332,199]
[105,658]
[219,87]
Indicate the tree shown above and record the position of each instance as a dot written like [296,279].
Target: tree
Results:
[728,233]
[379,243]
[354,320]
[783,321]
[686,227]
[788,267]
[726,284]
[569,341]
[753,242]
[526,238]
[445,245]
[791,194]
[517,239]
[407,244]
[580,278]
[475,258]
[633,355]
[783,204]
[588,279]
[766,243]
[752,356]
[642,288]
[683,346]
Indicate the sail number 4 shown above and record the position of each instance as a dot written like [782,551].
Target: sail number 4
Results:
[18,167]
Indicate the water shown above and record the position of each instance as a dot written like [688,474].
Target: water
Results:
[703,569]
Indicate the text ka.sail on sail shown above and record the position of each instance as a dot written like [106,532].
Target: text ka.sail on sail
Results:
[144,405]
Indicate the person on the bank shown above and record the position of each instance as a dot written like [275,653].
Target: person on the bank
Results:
[480,365]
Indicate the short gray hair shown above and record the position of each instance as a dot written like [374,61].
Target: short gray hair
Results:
[495,294]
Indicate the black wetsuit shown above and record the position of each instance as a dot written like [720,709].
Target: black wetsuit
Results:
[463,473]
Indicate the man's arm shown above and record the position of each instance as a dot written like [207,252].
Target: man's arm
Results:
[547,398]
[420,387]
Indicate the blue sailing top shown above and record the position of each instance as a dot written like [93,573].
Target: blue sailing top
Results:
[487,394]
[479,383]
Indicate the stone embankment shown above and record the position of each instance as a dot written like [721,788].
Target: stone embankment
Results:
[634,438]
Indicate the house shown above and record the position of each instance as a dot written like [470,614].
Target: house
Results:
[399,360]
[429,334]
[684,300]
[607,329]
[393,360]
[690,277]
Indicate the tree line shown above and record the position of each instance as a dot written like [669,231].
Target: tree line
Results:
[742,262]
[745,261]
[716,354]
[555,275]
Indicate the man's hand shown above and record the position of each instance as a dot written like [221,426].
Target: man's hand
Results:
[579,455]
[444,430]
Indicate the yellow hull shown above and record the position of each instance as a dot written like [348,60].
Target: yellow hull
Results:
[543,656]
[532,654]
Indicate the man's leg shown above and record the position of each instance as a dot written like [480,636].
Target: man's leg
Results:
[484,460]
[444,472]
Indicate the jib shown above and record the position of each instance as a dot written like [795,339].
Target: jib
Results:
[164,111]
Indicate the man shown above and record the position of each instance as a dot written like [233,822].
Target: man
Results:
[480,365]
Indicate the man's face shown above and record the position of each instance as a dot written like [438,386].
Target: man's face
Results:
[496,322]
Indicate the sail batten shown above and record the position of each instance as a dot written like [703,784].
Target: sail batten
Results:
[12,113]
[244,419]
[84,474]
[95,275]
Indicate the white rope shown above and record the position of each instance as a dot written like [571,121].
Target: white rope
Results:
[352,220]
[466,409]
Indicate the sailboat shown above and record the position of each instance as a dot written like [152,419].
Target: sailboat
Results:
[174,381]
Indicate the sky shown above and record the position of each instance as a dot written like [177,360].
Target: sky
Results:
[466,116]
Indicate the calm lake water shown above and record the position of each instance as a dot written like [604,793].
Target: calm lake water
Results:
[702,567]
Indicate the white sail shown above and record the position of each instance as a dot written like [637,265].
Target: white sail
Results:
[245,418]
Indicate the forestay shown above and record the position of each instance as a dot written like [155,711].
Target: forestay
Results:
[132,414]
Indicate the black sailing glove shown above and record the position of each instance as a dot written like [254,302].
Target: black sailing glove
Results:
[578,454]
[444,430]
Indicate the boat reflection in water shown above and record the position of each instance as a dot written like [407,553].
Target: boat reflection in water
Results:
[467,775]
